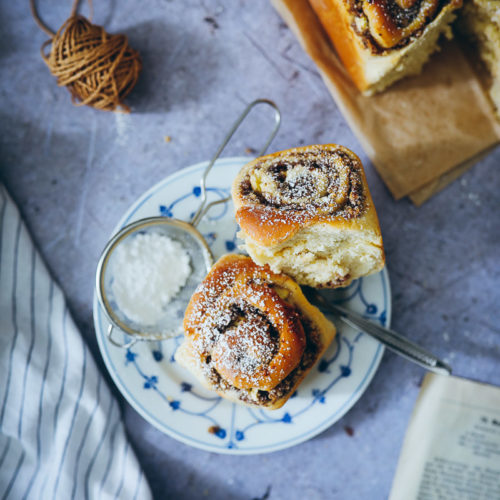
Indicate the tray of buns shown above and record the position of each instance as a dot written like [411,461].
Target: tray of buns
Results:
[407,77]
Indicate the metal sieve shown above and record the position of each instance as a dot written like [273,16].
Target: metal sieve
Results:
[183,232]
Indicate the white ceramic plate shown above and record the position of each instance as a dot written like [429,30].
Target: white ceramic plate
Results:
[167,396]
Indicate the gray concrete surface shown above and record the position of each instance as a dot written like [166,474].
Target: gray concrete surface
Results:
[74,171]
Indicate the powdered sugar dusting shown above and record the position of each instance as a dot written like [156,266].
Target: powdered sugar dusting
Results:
[246,347]
[148,271]
[300,185]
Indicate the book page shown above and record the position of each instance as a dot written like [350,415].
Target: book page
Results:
[451,449]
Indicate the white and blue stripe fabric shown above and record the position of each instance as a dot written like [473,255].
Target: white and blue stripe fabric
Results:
[61,434]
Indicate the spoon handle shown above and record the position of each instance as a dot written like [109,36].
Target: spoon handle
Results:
[392,340]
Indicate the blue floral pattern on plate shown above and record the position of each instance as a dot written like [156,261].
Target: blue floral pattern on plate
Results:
[172,400]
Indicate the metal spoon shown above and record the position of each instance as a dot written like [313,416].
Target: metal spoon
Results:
[392,340]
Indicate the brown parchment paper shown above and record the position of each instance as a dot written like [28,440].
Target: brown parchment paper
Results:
[422,132]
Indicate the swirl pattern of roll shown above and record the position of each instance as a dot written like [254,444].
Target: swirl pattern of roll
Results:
[307,212]
[250,334]
[382,41]
[390,22]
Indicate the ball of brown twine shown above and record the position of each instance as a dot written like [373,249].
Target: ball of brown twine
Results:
[98,69]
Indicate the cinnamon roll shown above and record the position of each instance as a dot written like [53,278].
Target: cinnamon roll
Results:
[307,212]
[381,41]
[250,334]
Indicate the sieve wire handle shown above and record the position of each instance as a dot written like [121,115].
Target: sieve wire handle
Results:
[128,345]
[125,345]
[203,208]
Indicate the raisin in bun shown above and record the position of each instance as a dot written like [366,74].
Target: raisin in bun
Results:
[250,334]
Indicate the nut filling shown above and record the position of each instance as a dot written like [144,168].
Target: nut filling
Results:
[385,25]
[260,397]
[325,184]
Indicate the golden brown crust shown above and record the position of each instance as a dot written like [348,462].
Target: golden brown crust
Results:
[337,21]
[269,223]
[250,333]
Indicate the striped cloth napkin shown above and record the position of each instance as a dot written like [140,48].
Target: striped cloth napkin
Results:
[61,434]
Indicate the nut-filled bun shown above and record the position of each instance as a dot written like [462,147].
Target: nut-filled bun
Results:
[250,334]
[307,212]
